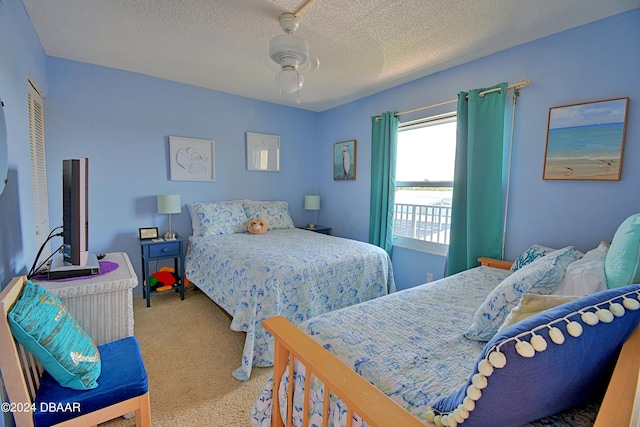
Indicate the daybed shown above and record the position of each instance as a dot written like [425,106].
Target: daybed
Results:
[287,271]
[485,347]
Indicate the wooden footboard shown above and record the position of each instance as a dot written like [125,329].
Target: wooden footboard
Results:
[621,402]
[360,396]
[619,407]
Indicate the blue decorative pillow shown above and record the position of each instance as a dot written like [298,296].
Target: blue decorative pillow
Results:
[221,217]
[546,363]
[540,277]
[622,264]
[276,214]
[531,254]
[41,323]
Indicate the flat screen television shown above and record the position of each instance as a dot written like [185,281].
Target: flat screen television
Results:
[76,259]
[75,210]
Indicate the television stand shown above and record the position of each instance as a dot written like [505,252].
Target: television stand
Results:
[61,270]
[102,304]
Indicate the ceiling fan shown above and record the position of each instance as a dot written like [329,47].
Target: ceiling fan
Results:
[291,53]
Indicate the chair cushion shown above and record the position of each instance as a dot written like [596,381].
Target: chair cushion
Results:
[123,377]
[546,363]
[41,323]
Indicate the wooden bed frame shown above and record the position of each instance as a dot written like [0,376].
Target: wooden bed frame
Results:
[619,407]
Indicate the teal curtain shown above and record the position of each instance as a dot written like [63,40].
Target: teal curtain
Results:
[476,217]
[384,141]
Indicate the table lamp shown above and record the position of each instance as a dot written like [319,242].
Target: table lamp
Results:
[169,204]
[311,203]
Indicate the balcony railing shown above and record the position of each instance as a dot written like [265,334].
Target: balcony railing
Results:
[431,223]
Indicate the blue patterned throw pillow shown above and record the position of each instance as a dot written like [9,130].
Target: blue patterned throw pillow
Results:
[41,323]
[221,217]
[540,277]
[544,364]
[534,252]
[276,214]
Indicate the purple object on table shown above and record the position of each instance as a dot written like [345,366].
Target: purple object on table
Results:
[105,267]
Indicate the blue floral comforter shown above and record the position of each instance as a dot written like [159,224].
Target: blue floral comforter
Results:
[410,345]
[295,273]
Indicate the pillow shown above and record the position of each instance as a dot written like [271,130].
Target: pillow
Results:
[622,265]
[539,277]
[221,217]
[195,221]
[40,322]
[545,364]
[276,214]
[586,275]
[532,304]
[534,252]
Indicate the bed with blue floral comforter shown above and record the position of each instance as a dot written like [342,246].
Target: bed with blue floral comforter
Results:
[414,358]
[296,273]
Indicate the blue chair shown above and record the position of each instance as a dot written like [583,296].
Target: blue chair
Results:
[37,399]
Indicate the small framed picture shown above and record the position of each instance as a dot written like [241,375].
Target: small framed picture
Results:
[344,161]
[263,152]
[148,233]
[191,159]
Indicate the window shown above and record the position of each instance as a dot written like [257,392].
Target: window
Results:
[424,182]
[38,166]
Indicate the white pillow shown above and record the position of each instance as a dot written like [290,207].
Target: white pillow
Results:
[586,275]
[195,222]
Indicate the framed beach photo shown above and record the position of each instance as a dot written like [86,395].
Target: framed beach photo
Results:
[344,161]
[586,141]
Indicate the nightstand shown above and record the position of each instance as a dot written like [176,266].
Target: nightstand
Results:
[318,229]
[153,250]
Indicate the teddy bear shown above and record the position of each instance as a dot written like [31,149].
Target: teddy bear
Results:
[257,226]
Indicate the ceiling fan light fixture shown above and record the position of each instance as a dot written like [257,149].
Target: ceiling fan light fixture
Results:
[287,47]
[289,52]
[289,80]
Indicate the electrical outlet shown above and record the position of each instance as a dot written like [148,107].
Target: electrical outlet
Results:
[429,277]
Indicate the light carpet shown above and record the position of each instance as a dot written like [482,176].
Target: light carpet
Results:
[190,352]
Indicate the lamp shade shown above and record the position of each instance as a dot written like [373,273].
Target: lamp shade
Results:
[169,204]
[312,203]
[289,80]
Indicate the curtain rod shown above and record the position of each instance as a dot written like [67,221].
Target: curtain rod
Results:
[517,86]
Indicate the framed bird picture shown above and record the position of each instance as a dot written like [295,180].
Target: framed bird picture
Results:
[344,161]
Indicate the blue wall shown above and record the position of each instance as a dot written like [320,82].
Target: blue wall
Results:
[122,122]
[594,62]
[21,56]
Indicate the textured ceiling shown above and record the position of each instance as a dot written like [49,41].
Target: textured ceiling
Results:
[364,46]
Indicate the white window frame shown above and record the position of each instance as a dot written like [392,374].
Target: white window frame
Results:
[38,165]
[435,248]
